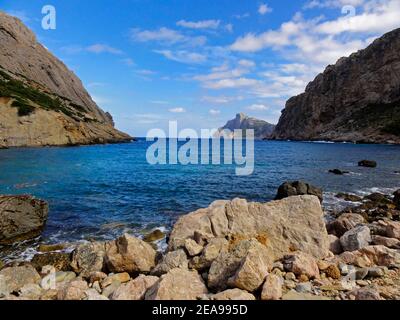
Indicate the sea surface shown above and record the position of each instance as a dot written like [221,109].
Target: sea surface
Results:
[99,192]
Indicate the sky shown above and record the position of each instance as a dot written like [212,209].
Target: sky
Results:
[199,62]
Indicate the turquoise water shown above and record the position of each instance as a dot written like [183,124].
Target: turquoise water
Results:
[101,191]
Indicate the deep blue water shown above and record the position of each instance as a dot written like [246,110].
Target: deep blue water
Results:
[102,191]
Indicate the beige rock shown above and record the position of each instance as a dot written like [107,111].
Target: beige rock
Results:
[393,229]
[192,248]
[371,255]
[14,278]
[130,254]
[109,290]
[120,277]
[172,260]
[294,295]
[210,252]
[31,291]
[387,242]
[302,264]
[74,290]
[233,294]
[93,295]
[272,288]
[96,276]
[344,223]
[294,223]
[178,284]
[21,217]
[88,258]
[367,294]
[135,289]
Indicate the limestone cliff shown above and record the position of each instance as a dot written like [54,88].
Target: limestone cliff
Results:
[42,102]
[357,99]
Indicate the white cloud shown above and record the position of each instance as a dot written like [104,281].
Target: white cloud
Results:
[214,112]
[229,27]
[231,83]
[247,63]
[177,110]
[241,16]
[103,48]
[166,36]
[332,3]
[145,72]
[183,56]
[264,9]
[257,107]
[221,99]
[205,24]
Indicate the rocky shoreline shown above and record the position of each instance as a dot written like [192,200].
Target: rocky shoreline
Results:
[232,250]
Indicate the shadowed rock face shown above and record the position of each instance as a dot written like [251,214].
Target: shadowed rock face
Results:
[262,129]
[42,102]
[357,99]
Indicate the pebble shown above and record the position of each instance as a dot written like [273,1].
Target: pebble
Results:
[304,287]
[361,273]
[362,283]
[290,276]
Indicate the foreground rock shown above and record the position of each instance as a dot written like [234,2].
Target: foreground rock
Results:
[14,278]
[21,218]
[294,223]
[298,188]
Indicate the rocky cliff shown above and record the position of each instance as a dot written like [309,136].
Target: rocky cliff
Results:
[357,99]
[42,102]
[262,129]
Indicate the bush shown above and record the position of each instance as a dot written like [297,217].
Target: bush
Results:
[24,109]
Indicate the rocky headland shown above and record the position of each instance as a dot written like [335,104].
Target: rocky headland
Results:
[355,100]
[42,102]
[287,249]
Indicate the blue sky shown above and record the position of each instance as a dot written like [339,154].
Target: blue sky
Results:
[201,62]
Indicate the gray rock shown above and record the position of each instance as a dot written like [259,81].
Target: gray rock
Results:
[305,287]
[298,188]
[172,260]
[88,258]
[356,238]
[344,223]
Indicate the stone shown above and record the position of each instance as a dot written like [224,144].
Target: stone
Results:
[134,289]
[172,260]
[303,278]
[192,248]
[153,236]
[65,276]
[294,223]
[233,294]
[31,291]
[392,229]
[298,188]
[333,272]
[349,197]
[361,273]
[253,269]
[59,260]
[367,294]
[177,284]
[338,171]
[396,199]
[49,294]
[290,284]
[21,218]
[88,258]
[290,276]
[356,238]
[294,295]
[370,256]
[377,272]
[130,254]
[4,291]
[210,252]
[93,295]
[301,263]
[97,276]
[15,278]
[367,163]
[74,290]
[44,248]
[387,242]
[120,277]
[109,290]
[305,287]
[334,244]
[344,223]
[232,264]
[272,288]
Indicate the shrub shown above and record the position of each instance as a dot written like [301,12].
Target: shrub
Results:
[24,109]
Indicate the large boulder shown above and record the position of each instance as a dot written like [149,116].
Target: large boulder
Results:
[210,252]
[370,256]
[14,278]
[344,223]
[301,264]
[21,218]
[178,284]
[134,289]
[88,258]
[298,188]
[272,287]
[130,254]
[294,223]
[356,238]
[61,261]
[74,290]
[172,260]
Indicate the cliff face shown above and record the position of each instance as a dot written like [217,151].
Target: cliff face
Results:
[358,99]
[262,129]
[41,101]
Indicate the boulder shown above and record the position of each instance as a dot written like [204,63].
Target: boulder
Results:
[366,294]
[44,248]
[378,198]
[344,223]
[172,260]
[134,289]
[93,295]
[192,247]
[396,199]
[21,218]
[130,254]
[298,188]
[294,295]
[210,252]
[88,258]
[31,291]
[334,244]
[348,197]
[74,290]
[233,294]
[14,278]
[233,265]
[338,171]
[272,287]
[387,242]
[367,163]
[370,256]
[59,260]
[356,238]
[118,277]
[177,284]
[392,229]
[153,236]
[301,263]
[294,223]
